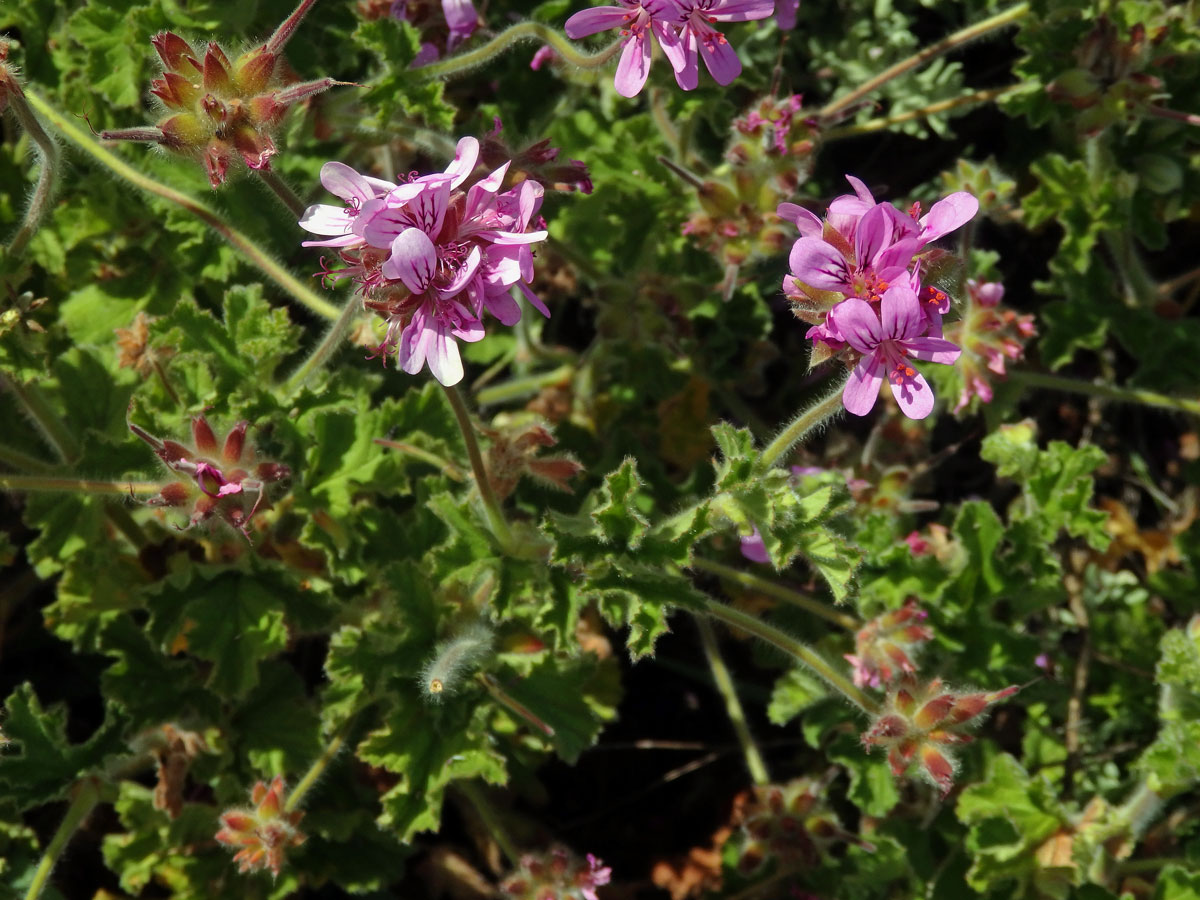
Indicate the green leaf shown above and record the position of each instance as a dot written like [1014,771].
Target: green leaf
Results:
[401,92]
[428,747]
[46,764]
[1177,883]
[232,619]
[795,691]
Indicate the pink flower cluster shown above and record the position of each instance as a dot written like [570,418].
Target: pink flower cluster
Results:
[684,29]
[856,277]
[430,254]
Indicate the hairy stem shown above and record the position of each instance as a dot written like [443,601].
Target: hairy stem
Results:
[283,191]
[317,769]
[801,652]
[523,386]
[19,459]
[491,505]
[942,106]
[447,468]
[87,795]
[35,405]
[328,346]
[491,822]
[43,190]
[778,591]
[1165,113]
[76,485]
[522,32]
[253,254]
[1105,391]
[957,39]
[733,706]
[805,422]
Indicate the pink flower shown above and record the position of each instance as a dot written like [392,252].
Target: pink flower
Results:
[887,342]
[753,547]
[636,21]
[785,14]
[430,257]
[878,259]
[698,38]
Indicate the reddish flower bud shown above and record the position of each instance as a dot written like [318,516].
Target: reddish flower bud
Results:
[216,75]
[253,71]
[176,91]
[172,49]
[264,834]
[256,148]
[234,441]
[217,157]
[202,435]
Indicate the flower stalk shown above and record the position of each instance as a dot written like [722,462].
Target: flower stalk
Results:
[804,423]
[253,254]
[87,795]
[335,335]
[733,706]
[491,505]
[1105,391]
[789,645]
[939,48]
[883,124]
[447,468]
[777,591]
[316,770]
[39,201]
[34,402]
[283,191]
[43,483]
[522,32]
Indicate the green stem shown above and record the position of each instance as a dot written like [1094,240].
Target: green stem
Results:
[491,505]
[957,39]
[124,522]
[77,485]
[87,795]
[19,459]
[1140,289]
[778,591]
[1153,864]
[447,468]
[733,706]
[34,402]
[1106,391]
[317,769]
[811,418]
[523,386]
[942,106]
[804,654]
[491,822]
[1165,113]
[39,200]
[240,242]
[328,346]
[522,32]
[283,191]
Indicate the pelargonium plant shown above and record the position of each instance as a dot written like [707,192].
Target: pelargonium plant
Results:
[659,577]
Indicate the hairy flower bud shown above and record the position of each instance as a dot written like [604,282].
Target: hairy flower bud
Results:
[920,723]
[263,835]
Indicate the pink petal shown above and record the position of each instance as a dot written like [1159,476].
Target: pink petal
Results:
[444,361]
[819,265]
[874,234]
[948,214]
[671,44]
[466,154]
[808,224]
[462,19]
[342,181]
[740,10]
[861,190]
[785,14]
[857,324]
[914,395]
[322,219]
[428,208]
[465,274]
[862,388]
[687,67]
[634,67]
[534,300]
[930,349]
[413,260]
[901,313]
[596,19]
[502,305]
[721,60]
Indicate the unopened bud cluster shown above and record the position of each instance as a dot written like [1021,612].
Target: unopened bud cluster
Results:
[220,110]
[222,479]
[989,335]
[921,723]
[791,823]
[263,835]
[557,874]
[885,646]
[771,150]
